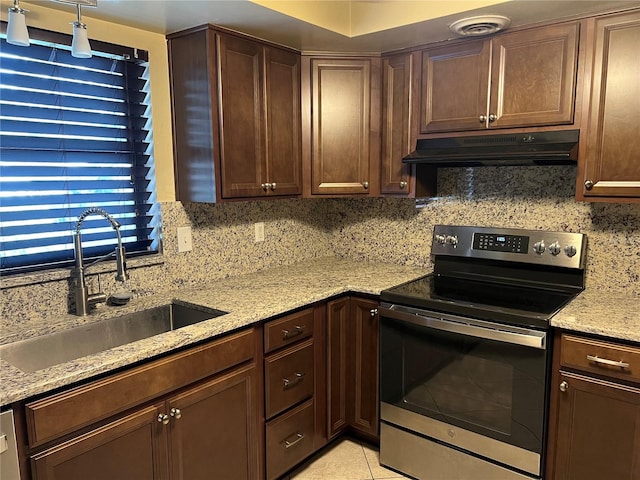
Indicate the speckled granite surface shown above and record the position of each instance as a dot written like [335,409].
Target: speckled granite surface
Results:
[611,315]
[249,298]
[388,230]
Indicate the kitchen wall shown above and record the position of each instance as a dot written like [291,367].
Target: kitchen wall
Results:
[380,229]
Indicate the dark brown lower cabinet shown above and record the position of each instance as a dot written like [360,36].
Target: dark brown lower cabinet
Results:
[338,313]
[352,344]
[213,431]
[289,439]
[595,410]
[207,431]
[365,334]
[294,388]
[598,430]
[130,447]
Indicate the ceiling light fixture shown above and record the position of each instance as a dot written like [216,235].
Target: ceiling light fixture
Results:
[17,33]
[80,47]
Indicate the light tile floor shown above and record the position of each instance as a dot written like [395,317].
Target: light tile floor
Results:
[345,459]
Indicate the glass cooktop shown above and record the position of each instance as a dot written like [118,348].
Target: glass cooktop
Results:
[503,302]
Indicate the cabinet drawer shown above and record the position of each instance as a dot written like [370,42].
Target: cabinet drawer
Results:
[288,330]
[288,378]
[57,415]
[289,439]
[604,358]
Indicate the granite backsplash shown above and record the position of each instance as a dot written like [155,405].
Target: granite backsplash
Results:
[382,229]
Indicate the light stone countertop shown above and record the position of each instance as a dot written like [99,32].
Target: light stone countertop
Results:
[248,299]
[256,297]
[603,313]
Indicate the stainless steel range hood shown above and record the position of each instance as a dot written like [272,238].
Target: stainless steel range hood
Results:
[542,148]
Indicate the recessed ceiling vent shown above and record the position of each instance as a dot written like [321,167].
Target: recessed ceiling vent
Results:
[479,26]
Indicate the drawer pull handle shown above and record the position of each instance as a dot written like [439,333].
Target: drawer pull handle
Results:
[297,439]
[290,383]
[286,334]
[604,361]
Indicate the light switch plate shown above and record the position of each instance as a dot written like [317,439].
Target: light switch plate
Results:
[185,243]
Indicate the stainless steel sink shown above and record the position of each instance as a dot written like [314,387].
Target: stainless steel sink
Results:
[41,352]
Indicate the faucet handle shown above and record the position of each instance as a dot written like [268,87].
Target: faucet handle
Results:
[121,264]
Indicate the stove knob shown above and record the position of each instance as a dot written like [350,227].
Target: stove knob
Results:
[452,240]
[554,248]
[440,239]
[539,247]
[570,250]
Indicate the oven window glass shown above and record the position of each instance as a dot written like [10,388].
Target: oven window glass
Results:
[492,388]
[467,383]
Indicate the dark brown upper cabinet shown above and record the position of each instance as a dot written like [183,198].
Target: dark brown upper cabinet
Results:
[609,142]
[236,117]
[399,118]
[343,119]
[521,79]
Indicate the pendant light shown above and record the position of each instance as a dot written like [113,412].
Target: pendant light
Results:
[80,47]
[17,33]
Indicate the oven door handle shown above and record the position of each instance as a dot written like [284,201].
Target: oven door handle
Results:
[462,326]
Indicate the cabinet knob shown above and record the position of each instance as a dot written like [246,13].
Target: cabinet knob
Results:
[273,186]
[365,185]
[266,186]
[482,118]
[374,312]
[588,184]
[403,185]
[492,117]
[163,418]
[175,413]
[564,386]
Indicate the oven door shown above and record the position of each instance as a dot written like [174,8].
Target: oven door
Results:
[476,385]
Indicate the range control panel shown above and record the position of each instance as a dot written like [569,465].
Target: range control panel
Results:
[501,243]
[563,249]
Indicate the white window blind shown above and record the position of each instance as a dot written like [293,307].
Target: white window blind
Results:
[74,133]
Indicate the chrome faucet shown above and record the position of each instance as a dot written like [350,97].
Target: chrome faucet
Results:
[84,300]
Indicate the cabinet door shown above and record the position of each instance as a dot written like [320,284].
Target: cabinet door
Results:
[365,334]
[338,349]
[241,112]
[131,447]
[341,126]
[533,77]
[398,118]
[609,150]
[282,93]
[213,431]
[454,91]
[598,430]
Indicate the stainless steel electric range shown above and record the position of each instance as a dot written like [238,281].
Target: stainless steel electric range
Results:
[465,353]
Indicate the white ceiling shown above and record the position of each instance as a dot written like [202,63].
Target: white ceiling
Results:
[167,16]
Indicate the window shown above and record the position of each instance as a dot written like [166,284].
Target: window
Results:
[74,133]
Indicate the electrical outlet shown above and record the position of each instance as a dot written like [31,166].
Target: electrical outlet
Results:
[184,239]
[259,228]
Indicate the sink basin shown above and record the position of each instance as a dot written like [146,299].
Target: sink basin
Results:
[41,352]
